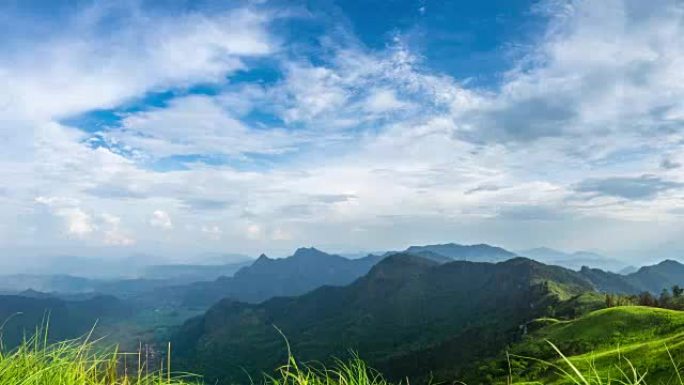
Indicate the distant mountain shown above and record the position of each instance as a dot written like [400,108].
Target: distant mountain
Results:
[306,270]
[46,283]
[187,273]
[657,277]
[628,270]
[22,314]
[66,285]
[89,267]
[574,260]
[456,252]
[405,304]
[607,282]
[653,278]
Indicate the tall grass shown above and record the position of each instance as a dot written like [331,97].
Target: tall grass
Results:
[83,362]
[80,362]
[565,371]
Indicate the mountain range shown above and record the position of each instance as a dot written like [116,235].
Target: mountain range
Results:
[22,314]
[405,307]
[653,278]
[431,310]
[456,252]
[575,260]
[305,270]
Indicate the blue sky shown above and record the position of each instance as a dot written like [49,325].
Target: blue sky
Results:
[185,127]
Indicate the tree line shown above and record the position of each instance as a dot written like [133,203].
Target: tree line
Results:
[668,299]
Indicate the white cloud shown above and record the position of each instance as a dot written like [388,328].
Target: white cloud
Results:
[371,139]
[77,222]
[383,100]
[161,219]
[78,68]
[253,231]
[113,234]
[164,131]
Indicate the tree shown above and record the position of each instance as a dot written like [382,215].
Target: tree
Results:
[610,300]
[665,298]
[677,291]
[647,299]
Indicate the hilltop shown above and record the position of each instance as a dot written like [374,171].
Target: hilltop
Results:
[305,270]
[640,334]
[67,319]
[651,279]
[405,304]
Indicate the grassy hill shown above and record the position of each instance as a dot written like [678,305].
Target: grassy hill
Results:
[604,341]
[403,308]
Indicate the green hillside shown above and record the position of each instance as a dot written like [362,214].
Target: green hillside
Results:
[405,307]
[604,341]
[22,315]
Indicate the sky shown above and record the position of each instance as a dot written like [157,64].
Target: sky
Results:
[178,128]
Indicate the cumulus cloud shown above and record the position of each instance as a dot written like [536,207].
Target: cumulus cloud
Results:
[163,132]
[113,234]
[77,222]
[161,219]
[363,138]
[383,100]
[78,68]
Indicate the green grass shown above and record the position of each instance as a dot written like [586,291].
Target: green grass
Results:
[80,362]
[616,346]
[606,344]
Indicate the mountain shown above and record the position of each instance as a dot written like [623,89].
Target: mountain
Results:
[90,267]
[607,282]
[22,314]
[46,283]
[306,270]
[187,273]
[66,285]
[653,278]
[405,304]
[544,254]
[574,260]
[658,277]
[628,270]
[456,252]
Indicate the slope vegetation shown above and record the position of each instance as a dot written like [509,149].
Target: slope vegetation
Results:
[604,341]
[405,305]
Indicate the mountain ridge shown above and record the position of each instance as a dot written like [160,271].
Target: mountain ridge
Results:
[404,302]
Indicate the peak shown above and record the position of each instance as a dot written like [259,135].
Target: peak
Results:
[516,260]
[669,262]
[405,259]
[545,249]
[262,258]
[521,261]
[584,253]
[309,252]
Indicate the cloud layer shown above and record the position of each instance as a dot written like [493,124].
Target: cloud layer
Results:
[204,130]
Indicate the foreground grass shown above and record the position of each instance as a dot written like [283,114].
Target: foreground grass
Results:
[605,346]
[629,346]
[79,362]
